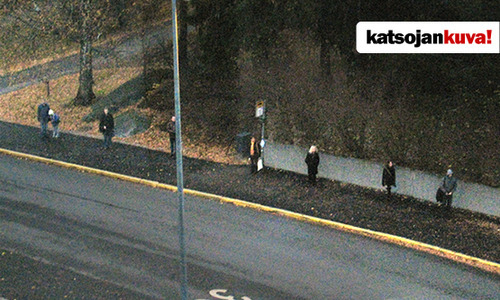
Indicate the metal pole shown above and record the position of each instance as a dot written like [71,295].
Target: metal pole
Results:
[178,151]
[263,120]
[262,139]
[47,82]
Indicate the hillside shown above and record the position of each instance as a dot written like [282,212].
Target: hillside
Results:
[427,112]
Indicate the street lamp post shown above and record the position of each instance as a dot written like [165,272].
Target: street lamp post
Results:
[178,147]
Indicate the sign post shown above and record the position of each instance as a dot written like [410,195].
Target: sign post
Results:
[259,109]
[260,113]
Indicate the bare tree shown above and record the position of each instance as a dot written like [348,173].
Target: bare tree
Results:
[85,95]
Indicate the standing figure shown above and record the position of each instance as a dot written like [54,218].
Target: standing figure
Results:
[55,120]
[312,161]
[254,155]
[389,177]
[43,118]
[448,187]
[171,133]
[107,127]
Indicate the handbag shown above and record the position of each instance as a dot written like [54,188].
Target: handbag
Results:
[440,195]
[260,164]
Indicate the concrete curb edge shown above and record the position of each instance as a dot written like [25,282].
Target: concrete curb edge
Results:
[401,241]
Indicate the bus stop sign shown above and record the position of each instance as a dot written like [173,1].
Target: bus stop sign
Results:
[259,109]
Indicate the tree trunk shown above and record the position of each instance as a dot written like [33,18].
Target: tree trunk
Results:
[85,95]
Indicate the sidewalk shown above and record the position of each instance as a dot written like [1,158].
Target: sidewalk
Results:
[413,183]
[458,230]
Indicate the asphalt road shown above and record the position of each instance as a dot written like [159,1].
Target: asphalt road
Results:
[127,234]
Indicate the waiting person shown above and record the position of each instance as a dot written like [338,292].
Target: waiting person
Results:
[312,161]
[447,188]
[43,118]
[107,127]
[389,177]
[55,120]
[254,155]
[171,133]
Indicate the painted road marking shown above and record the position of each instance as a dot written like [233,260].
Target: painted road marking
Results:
[218,294]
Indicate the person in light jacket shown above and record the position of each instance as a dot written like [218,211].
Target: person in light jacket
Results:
[312,161]
[448,187]
[55,120]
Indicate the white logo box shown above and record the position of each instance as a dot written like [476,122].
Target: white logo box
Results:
[428,37]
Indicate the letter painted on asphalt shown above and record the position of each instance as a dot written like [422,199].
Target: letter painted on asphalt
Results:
[217,295]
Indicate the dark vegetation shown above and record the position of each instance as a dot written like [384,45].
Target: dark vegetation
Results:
[427,112]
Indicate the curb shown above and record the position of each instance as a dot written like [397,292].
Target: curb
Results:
[434,250]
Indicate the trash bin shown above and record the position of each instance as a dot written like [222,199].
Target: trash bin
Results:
[243,144]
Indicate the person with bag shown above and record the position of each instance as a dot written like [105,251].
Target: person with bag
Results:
[312,161]
[389,177]
[55,120]
[254,155]
[107,127]
[445,191]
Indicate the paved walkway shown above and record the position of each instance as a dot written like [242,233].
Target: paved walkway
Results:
[124,53]
[418,184]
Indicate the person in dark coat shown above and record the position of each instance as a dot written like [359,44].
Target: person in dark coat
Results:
[254,155]
[389,177]
[312,161]
[107,127]
[171,133]
[43,118]
[447,188]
